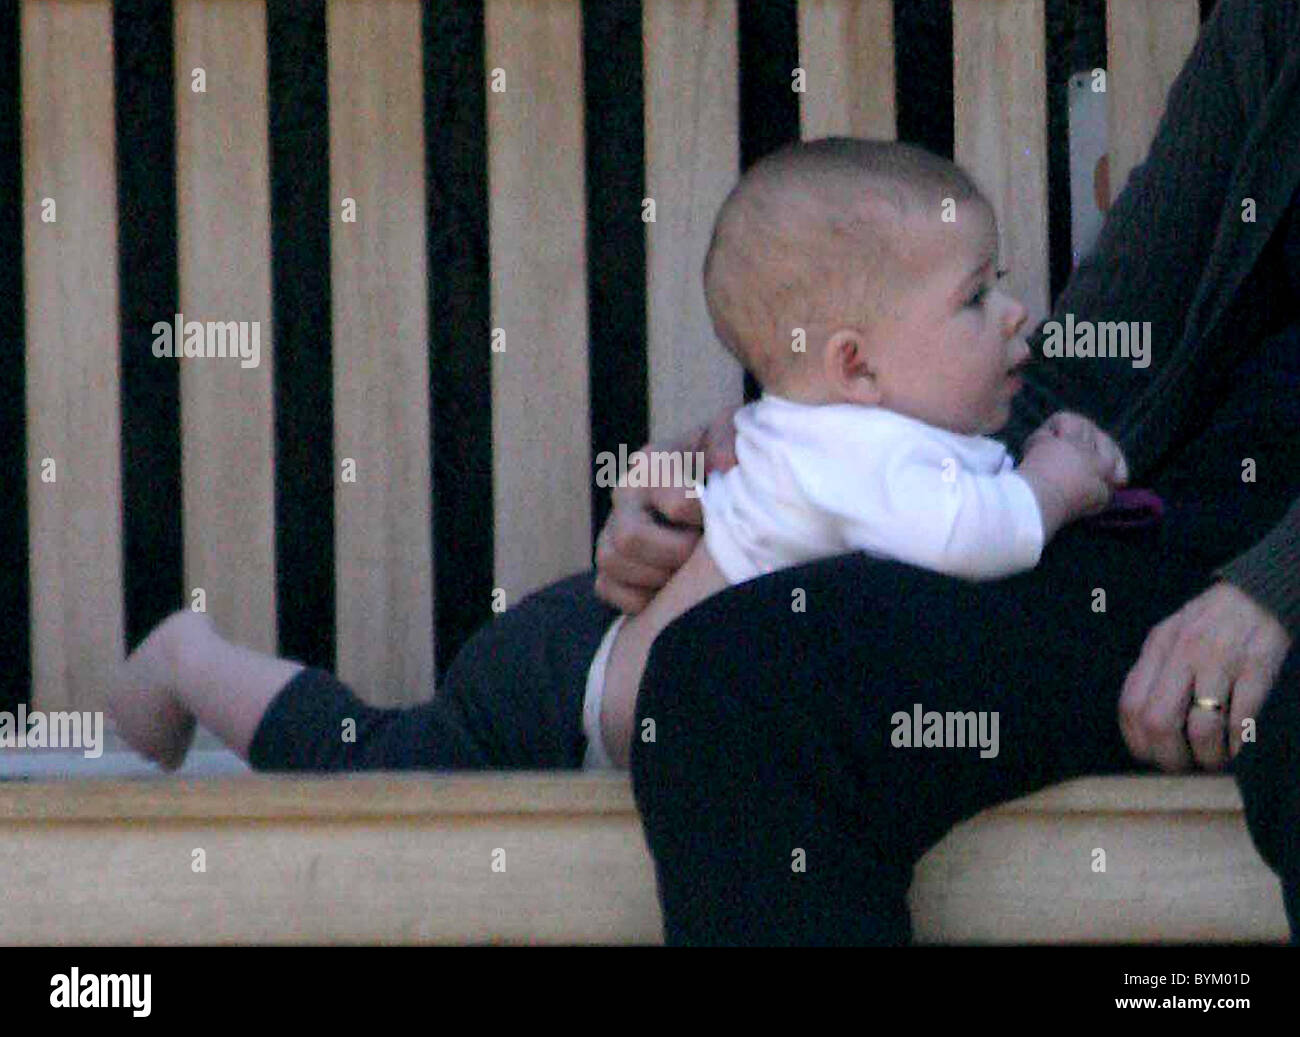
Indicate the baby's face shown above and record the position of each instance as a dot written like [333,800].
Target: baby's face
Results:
[952,343]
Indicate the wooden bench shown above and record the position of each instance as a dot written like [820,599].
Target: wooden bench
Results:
[407,858]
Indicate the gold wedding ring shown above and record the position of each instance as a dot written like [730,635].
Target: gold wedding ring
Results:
[1213,705]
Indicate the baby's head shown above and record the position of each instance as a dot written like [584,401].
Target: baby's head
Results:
[834,277]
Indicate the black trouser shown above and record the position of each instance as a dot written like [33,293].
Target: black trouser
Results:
[773,726]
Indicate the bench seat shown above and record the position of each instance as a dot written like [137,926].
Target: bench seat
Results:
[409,858]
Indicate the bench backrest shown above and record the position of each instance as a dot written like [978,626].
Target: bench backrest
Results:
[381,326]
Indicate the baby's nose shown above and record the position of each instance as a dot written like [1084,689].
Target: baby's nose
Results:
[1017,315]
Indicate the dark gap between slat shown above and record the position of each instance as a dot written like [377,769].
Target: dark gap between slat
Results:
[769,107]
[460,361]
[15,589]
[1076,42]
[301,213]
[616,235]
[148,292]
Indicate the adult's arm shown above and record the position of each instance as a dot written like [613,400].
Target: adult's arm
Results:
[1268,571]
[1228,643]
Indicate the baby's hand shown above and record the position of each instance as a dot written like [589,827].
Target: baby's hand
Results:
[1072,467]
[1084,434]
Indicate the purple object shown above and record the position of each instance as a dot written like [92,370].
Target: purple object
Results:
[1130,509]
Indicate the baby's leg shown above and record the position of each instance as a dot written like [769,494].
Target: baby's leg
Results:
[512,697]
[698,579]
[183,671]
[142,699]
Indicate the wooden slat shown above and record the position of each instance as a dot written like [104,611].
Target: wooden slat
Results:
[406,796]
[70,270]
[1147,43]
[1000,102]
[429,794]
[379,266]
[224,250]
[846,49]
[692,161]
[542,468]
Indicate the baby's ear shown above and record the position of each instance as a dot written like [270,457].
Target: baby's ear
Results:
[851,368]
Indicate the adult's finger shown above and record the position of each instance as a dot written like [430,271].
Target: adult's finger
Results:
[634,549]
[720,442]
[1207,728]
[615,571]
[680,505]
[623,582]
[656,525]
[1248,697]
[1137,689]
[635,555]
[1164,717]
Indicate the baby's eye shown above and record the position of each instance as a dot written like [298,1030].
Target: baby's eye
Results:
[981,293]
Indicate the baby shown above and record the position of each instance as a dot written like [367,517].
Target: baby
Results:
[855,280]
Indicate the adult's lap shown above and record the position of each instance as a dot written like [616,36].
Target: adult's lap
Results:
[1046,650]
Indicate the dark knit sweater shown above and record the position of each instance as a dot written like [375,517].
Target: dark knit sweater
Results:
[1176,251]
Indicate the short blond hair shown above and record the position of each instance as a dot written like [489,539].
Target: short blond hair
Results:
[812,234]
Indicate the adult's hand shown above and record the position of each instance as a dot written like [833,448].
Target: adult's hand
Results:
[1222,645]
[652,530]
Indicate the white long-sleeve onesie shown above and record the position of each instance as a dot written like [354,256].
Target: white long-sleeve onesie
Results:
[814,481]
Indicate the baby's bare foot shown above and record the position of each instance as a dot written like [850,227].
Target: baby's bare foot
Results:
[143,701]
